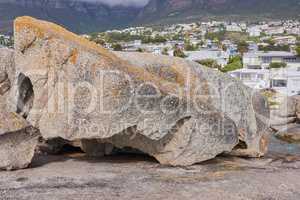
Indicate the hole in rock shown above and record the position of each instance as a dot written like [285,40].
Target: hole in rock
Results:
[241,145]
[127,151]
[91,150]
[69,149]
[25,95]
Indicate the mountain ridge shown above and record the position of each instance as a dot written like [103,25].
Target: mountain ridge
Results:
[84,17]
[164,10]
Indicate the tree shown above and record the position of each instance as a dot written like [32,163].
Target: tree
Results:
[216,35]
[117,47]
[242,47]
[140,50]
[156,39]
[276,65]
[234,63]
[224,47]
[99,41]
[274,48]
[189,47]
[165,51]
[211,63]
[270,42]
[178,52]
[2,40]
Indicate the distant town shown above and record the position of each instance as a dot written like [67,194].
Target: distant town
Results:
[264,55]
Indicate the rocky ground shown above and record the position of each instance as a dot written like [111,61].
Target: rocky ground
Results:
[74,176]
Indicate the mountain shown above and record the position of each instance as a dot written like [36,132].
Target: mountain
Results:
[78,16]
[184,10]
[87,16]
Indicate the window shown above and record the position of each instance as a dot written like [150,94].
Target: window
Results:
[290,59]
[260,76]
[266,59]
[246,76]
[236,75]
[254,67]
[279,83]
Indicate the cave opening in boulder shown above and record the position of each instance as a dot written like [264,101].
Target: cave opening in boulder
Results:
[25,95]
[92,149]
[69,149]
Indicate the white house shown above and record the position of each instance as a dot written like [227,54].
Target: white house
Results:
[220,56]
[284,80]
[254,31]
[254,78]
[262,60]
[275,30]
[285,40]
[233,28]
[256,73]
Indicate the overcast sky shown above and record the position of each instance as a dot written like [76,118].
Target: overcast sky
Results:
[121,2]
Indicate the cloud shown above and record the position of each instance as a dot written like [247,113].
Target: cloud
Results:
[136,3]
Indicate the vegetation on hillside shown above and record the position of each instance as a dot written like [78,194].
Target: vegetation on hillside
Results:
[211,63]
[234,63]
[190,47]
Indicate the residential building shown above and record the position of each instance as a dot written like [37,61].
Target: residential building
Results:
[286,81]
[277,30]
[233,28]
[262,60]
[254,31]
[257,74]
[285,40]
[221,57]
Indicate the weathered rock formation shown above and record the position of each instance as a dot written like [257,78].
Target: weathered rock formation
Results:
[290,134]
[285,120]
[6,74]
[248,109]
[18,141]
[175,110]
[17,138]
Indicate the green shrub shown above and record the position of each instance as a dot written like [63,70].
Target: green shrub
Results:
[234,63]
[276,65]
[117,47]
[211,63]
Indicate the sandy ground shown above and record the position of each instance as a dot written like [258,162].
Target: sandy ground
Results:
[74,176]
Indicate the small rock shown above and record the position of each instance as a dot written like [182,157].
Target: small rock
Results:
[291,134]
[18,141]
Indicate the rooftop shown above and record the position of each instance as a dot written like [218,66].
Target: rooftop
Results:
[269,54]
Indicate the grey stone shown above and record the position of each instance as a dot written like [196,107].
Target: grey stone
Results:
[291,133]
[18,141]
[95,148]
[247,108]
[7,70]
[177,111]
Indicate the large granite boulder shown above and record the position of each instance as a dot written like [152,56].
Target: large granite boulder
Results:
[288,113]
[18,139]
[247,108]
[290,107]
[175,110]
